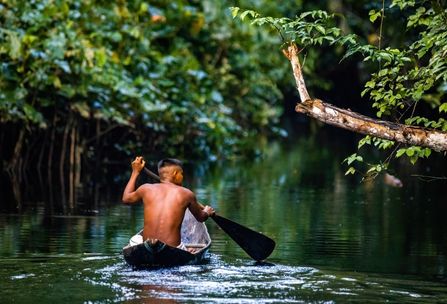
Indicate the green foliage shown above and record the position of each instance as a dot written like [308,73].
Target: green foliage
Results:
[414,73]
[380,143]
[406,77]
[443,107]
[375,170]
[414,153]
[177,74]
[352,158]
[307,29]
[372,169]
[373,15]
[411,76]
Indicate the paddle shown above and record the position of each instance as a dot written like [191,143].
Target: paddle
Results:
[255,244]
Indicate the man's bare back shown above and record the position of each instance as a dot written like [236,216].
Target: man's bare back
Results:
[164,209]
[164,203]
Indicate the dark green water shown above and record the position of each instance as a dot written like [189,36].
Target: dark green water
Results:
[338,241]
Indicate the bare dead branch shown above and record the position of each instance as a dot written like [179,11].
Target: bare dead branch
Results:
[346,119]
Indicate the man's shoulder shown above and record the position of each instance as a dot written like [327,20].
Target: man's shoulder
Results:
[145,187]
[182,189]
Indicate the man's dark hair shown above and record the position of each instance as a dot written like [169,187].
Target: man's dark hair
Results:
[169,162]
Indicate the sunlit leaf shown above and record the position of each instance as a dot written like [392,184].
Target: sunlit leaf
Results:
[234,11]
[351,170]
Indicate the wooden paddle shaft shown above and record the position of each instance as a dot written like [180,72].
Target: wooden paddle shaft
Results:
[151,174]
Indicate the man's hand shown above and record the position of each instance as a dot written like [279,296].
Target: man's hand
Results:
[138,164]
[209,210]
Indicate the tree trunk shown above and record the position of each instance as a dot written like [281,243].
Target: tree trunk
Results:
[2,137]
[96,179]
[78,165]
[50,161]
[14,169]
[405,134]
[71,185]
[51,148]
[14,162]
[62,164]
[31,147]
[41,152]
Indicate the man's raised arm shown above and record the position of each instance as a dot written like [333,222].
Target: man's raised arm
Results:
[130,195]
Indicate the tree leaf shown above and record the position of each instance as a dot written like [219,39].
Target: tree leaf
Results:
[373,15]
[400,152]
[14,45]
[320,29]
[234,11]
[410,151]
[351,170]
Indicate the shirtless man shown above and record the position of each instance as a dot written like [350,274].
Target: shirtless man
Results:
[164,203]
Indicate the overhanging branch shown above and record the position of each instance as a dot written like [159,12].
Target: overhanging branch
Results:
[410,135]
[342,118]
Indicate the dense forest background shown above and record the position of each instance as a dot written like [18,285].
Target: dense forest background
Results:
[88,84]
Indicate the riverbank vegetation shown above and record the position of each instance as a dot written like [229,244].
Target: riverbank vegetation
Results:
[85,85]
[89,83]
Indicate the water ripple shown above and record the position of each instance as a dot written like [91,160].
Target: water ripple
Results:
[243,281]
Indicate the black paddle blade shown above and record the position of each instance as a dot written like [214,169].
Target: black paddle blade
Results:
[255,244]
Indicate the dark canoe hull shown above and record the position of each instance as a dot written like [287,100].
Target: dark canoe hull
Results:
[161,255]
[193,235]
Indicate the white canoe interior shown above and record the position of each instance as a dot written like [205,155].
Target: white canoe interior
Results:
[194,235]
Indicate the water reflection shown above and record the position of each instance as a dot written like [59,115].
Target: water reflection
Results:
[301,197]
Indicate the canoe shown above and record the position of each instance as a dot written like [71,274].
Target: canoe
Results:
[194,236]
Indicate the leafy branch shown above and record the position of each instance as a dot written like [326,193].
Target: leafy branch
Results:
[307,29]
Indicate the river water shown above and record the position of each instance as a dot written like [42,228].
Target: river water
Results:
[338,240]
